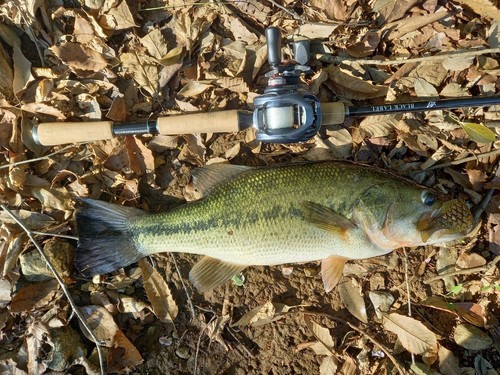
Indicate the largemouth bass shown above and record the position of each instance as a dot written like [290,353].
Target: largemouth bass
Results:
[330,211]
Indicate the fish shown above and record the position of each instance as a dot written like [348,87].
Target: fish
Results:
[328,211]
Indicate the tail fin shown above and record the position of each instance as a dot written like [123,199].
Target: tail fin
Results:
[105,242]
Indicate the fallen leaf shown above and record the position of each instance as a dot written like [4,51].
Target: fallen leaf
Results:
[353,87]
[478,132]
[471,337]
[158,292]
[37,338]
[22,71]
[425,89]
[34,296]
[316,30]
[261,315]
[448,362]
[193,88]
[352,298]
[155,43]
[328,366]
[322,334]
[413,335]
[482,7]
[79,57]
[118,17]
[382,302]
[143,69]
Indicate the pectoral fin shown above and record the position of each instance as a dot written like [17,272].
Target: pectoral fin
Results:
[331,271]
[209,273]
[325,218]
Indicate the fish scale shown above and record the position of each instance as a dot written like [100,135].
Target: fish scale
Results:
[330,211]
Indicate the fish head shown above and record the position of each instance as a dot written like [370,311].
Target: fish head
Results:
[413,216]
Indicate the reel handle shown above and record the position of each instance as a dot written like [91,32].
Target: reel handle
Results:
[273,38]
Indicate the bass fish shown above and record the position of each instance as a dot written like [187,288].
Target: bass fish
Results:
[330,211]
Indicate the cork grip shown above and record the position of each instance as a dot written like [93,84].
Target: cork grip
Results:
[332,113]
[58,133]
[206,122]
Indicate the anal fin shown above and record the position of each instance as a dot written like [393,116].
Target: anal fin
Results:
[331,271]
[209,273]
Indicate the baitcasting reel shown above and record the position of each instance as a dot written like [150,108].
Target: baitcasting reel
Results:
[287,112]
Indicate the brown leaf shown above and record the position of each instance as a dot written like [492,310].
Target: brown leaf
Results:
[455,308]
[79,57]
[471,337]
[352,298]
[143,69]
[413,335]
[37,336]
[34,296]
[484,8]
[155,43]
[261,315]
[353,87]
[321,333]
[118,17]
[158,293]
[448,362]
[328,366]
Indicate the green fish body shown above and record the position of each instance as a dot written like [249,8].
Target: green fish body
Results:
[330,211]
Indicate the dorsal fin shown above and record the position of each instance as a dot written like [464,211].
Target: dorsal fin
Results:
[207,177]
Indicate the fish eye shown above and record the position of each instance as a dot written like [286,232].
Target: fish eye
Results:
[427,198]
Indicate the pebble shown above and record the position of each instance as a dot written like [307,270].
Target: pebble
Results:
[310,272]
[183,352]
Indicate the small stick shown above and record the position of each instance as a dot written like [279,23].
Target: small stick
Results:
[464,160]
[55,235]
[458,54]
[36,159]
[396,363]
[75,308]
[407,282]
[293,14]
[465,271]
[190,301]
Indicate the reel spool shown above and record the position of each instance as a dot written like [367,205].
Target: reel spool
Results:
[287,112]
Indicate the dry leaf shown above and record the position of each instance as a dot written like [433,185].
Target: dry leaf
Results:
[261,315]
[158,293]
[155,43]
[322,334]
[22,71]
[484,8]
[143,69]
[413,335]
[425,89]
[316,30]
[79,57]
[448,362]
[328,366]
[118,17]
[194,88]
[353,87]
[37,337]
[471,337]
[352,298]
[34,296]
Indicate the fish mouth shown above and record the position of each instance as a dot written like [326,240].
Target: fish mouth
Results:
[451,220]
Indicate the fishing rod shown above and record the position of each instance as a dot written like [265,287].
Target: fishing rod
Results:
[287,111]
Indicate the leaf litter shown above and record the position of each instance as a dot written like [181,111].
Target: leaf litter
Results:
[125,61]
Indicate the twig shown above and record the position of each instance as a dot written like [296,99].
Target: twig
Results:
[407,282]
[293,14]
[465,271]
[75,308]
[457,54]
[393,359]
[464,160]
[55,235]
[36,159]
[478,211]
[188,296]
[195,372]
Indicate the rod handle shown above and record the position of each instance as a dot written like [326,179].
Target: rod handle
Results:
[332,113]
[204,122]
[58,133]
